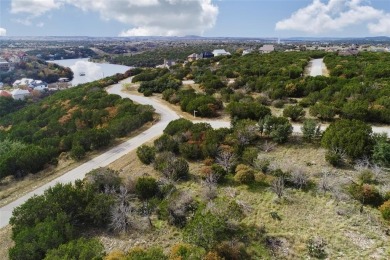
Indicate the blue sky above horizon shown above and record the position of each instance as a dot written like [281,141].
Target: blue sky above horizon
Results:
[230,18]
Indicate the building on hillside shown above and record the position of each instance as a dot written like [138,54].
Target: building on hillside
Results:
[4,93]
[20,94]
[220,52]
[193,57]
[22,82]
[167,64]
[4,65]
[247,51]
[206,55]
[267,48]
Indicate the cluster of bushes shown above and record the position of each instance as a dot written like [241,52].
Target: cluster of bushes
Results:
[203,105]
[47,226]
[77,120]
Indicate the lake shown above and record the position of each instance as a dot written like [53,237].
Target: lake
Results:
[86,71]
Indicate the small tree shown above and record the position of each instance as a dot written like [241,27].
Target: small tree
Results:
[277,186]
[244,174]
[146,154]
[385,210]
[146,188]
[311,130]
[351,136]
[295,112]
[278,128]
[226,158]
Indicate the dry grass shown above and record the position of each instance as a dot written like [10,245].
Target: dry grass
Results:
[5,242]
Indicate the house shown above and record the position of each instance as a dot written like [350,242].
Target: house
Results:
[245,52]
[4,93]
[167,64]
[220,52]
[206,55]
[20,94]
[22,82]
[63,80]
[193,57]
[267,48]
[4,65]
[38,85]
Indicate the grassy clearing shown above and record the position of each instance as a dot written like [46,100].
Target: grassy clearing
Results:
[349,233]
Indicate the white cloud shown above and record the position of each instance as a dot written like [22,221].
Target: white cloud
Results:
[3,32]
[382,27]
[336,15]
[34,7]
[146,17]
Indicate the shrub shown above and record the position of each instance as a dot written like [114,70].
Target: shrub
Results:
[146,187]
[278,128]
[83,249]
[204,230]
[351,136]
[190,151]
[148,92]
[146,154]
[294,112]
[147,254]
[178,126]
[334,158]
[316,247]
[385,210]
[366,194]
[103,178]
[381,153]
[77,152]
[366,176]
[311,130]
[172,167]
[166,143]
[244,174]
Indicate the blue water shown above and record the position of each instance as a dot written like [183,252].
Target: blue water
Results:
[93,71]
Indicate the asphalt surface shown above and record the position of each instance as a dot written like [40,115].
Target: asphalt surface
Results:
[166,115]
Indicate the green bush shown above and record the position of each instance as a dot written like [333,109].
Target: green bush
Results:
[146,154]
[244,174]
[146,187]
[351,136]
[311,130]
[385,210]
[278,128]
[334,158]
[178,126]
[381,154]
[317,247]
[146,254]
[295,113]
[367,194]
[82,249]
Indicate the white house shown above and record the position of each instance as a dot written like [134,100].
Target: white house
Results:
[220,52]
[41,88]
[22,82]
[245,52]
[20,94]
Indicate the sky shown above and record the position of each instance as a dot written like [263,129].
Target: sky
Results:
[209,18]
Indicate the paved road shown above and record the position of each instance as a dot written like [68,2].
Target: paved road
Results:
[316,67]
[115,153]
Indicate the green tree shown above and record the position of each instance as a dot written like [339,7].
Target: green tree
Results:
[350,136]
[146,154]
[295,113]
[311,130]
[82,249]
[146,187]
[278,128]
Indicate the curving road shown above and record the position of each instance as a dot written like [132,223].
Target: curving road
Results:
[111,155]
[116,152]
